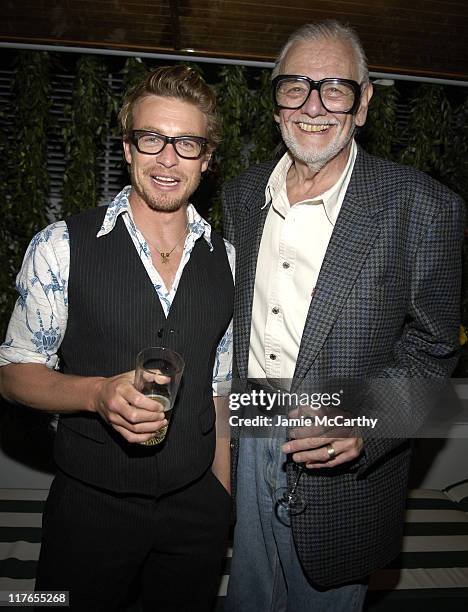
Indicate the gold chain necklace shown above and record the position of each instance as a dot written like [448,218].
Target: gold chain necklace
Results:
[166,254]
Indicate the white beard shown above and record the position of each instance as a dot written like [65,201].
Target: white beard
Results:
[315,158]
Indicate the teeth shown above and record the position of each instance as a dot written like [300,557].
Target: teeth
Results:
[164,179]
[308,127]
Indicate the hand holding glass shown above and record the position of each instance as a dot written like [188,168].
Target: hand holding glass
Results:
[287,497]
[158,372]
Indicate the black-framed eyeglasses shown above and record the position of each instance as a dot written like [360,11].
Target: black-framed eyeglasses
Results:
[336,95]
[152,143]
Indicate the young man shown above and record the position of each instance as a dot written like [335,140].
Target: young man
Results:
[348,268]
[94,290]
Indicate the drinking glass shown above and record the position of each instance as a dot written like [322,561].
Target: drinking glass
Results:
[288,497]
[158,372]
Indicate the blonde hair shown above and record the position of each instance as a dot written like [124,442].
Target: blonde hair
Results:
[179,82]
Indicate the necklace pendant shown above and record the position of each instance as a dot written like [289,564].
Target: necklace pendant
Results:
[164,258]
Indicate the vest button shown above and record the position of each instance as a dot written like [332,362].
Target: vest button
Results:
[286,265]
[272,356]
[275,310]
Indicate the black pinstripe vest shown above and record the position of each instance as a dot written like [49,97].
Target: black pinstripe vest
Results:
[114,312]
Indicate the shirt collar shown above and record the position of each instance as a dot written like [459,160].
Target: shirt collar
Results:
[120,205]
[332,198]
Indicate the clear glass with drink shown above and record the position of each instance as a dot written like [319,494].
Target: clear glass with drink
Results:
[158,372]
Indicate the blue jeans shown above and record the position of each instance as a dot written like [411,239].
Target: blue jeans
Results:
[266,575]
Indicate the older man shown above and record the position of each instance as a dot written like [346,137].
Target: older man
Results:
[348,267]
[145,271]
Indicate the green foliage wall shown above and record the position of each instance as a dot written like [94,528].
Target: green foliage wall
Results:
[84,135]
[24,191]
[434,139]
[381,125]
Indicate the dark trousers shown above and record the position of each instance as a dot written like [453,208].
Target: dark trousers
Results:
[100,546]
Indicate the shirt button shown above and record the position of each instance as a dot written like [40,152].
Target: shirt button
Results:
[275,310]
[272,356]
[286,265]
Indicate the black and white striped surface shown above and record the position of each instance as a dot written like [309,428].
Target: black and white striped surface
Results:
[431,570]
[20,536]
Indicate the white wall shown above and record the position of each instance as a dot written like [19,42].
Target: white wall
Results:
[436,464]
[16,475]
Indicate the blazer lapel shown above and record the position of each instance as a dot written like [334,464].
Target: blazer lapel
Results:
[354,234]
[250,230]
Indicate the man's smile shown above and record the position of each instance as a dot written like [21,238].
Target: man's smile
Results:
[313,127]
[163,180]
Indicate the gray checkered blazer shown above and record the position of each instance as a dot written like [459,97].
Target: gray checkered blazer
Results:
[386,304]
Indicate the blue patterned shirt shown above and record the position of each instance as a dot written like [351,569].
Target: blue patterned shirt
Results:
[39,319]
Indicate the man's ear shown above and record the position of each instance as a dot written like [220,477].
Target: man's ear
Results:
[127,147]
[206,161]
[361,114]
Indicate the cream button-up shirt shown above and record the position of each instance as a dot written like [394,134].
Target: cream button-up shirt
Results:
[294,241]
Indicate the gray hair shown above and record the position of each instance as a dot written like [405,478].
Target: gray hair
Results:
[331,29]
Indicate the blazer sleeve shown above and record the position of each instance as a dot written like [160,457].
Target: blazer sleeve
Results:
[428,350]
